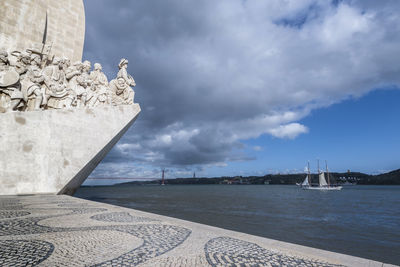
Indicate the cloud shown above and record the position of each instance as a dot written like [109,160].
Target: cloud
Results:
[290,131]
[212,74]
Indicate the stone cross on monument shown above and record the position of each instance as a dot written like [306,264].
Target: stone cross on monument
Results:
[59,116]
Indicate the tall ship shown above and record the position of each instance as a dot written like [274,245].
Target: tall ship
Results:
[322,183]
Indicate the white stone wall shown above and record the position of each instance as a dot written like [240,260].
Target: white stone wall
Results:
[54,151]
[22,24]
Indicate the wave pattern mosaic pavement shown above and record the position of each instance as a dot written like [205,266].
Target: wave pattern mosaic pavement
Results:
[22,251]
[50,230]
[226,251]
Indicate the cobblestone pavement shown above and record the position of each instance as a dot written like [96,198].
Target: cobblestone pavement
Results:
[227,251]
[120,217]
[48,230]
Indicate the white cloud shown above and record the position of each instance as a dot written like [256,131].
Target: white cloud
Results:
[290,131]
[212,74]
[341,28]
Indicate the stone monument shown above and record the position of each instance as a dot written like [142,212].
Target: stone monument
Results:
[59,117]
[27,23]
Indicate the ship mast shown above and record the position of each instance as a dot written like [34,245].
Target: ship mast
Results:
[309,175]
[162,180]
[327,171]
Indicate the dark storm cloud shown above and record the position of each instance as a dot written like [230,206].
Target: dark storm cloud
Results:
[213,73]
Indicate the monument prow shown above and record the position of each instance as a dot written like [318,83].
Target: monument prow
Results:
[58,116]
[58,121]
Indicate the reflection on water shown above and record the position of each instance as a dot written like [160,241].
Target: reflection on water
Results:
[358,220]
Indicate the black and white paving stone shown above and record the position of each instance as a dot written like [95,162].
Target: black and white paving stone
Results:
[24,252]
[121,217]
[4,214]
[49,230]
[227,251]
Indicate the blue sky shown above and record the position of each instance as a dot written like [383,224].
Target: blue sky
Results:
[252,87]
[360,134]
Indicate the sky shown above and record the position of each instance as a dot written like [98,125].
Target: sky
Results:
[241,87]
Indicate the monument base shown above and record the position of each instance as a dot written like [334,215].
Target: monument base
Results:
[54,151]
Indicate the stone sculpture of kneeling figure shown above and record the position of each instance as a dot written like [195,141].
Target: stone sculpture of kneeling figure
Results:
[121,90]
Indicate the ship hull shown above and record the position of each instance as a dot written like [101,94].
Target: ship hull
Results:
[321,188]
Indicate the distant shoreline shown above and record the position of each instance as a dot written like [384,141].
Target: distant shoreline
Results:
[347,178]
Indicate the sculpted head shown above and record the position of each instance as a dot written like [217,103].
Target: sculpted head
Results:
[77,65]
[97,66]
[86,66]
[66,62]
[56,61]
[123,63]
[4,56]
[25,57]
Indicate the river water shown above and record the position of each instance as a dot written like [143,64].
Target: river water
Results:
[362,221]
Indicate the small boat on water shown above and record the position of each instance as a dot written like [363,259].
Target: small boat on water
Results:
[322,184]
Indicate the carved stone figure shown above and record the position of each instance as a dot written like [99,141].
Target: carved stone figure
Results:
[39,81]
[17,97]
[121,90]
[23,61]
[83,84]
[32,83]
[72,73]
[4,62]
[10,93]
[99,86]
[56,91]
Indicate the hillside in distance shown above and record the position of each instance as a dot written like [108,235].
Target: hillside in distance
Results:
[389,178]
